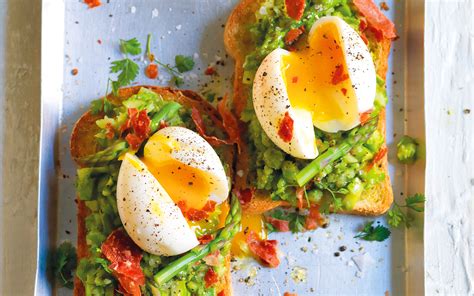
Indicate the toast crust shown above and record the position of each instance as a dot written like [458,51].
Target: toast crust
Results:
[376,200]
[82,144]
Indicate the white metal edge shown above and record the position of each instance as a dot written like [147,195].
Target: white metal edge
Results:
[52,51]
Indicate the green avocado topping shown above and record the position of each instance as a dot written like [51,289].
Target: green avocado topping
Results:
[344,166]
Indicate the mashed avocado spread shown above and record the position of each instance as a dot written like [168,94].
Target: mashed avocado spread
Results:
[340,183]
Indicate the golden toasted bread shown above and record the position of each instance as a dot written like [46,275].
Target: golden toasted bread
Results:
[238,43]
[82,143]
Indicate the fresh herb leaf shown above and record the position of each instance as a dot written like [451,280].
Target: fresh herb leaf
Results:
[370,233]
[105,264]
[101,105]
[184,63]
[131,46]
[128,71]
[416,202]
[396,216]
[178,80]
[297,222]
[64,263]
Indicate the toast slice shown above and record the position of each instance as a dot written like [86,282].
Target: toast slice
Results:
[82,143]
[374,201]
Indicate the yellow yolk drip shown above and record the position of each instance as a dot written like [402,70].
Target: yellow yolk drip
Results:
[309,77]
[182,182]
[250,222]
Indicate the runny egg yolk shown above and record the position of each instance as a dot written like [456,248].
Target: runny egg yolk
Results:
[182,182]
[317,79]
[250,222]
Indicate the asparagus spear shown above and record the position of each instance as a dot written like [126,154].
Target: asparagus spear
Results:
[107,155]
[232,226]
[334,153]
[167,111]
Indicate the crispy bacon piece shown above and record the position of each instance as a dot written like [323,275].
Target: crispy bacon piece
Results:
[221,293]
[364,117]
[299,197]
[280,225]
[378,157]
[212,259]
[201,128]
[211,277]
[375,18]
[266,250]
[286,128]
[124,256]
[110,131]
[230,122]
[339,75]
[151,71]
[295,8]
[245,195]
[92,3]
[138,125]
[210,206]
[293,35]
[195,214]
[205,239]
[314,219]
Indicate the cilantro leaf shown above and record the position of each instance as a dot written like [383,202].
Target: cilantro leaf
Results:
[128,71]
[297,222]
[131,46]
[395,217]
[415,202]
[370,233]
[178,80]
[184,63]
[64,263]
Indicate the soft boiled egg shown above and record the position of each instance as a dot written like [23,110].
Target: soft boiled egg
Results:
[326,84]
[178,166]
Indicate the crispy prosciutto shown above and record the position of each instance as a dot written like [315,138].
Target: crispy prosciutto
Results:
[295,8]
[279,224]
[314,219]
[211,277]
[376,20]
[138,126]
[124,256]
[266,250]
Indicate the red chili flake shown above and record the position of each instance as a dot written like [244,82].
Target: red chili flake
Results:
[375,18]
[293,35]
[295,8]
[266,250]
[378,157]
[344,91]
[384,6]
[74,71]
[210,206]
[294,79]
[124,256]
[110,131]
[210,71]
[280,225]
[211,277]
[99,41]
[286,128]
[245,195]
[205,239]
[339,75]
[92,3]
[290,294]
[314,219]
[299,197]
[151,71]
[364,117]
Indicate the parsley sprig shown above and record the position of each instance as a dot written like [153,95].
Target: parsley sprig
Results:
[412,203]
[126,68]
[182,64]
[63,263]
[370,233]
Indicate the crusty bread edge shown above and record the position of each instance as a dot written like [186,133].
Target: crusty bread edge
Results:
[82,144]
[376,200]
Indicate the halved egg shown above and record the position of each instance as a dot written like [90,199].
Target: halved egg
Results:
[328,84]
[178,165]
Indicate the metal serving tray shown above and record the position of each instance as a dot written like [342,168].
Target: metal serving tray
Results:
[87,39]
